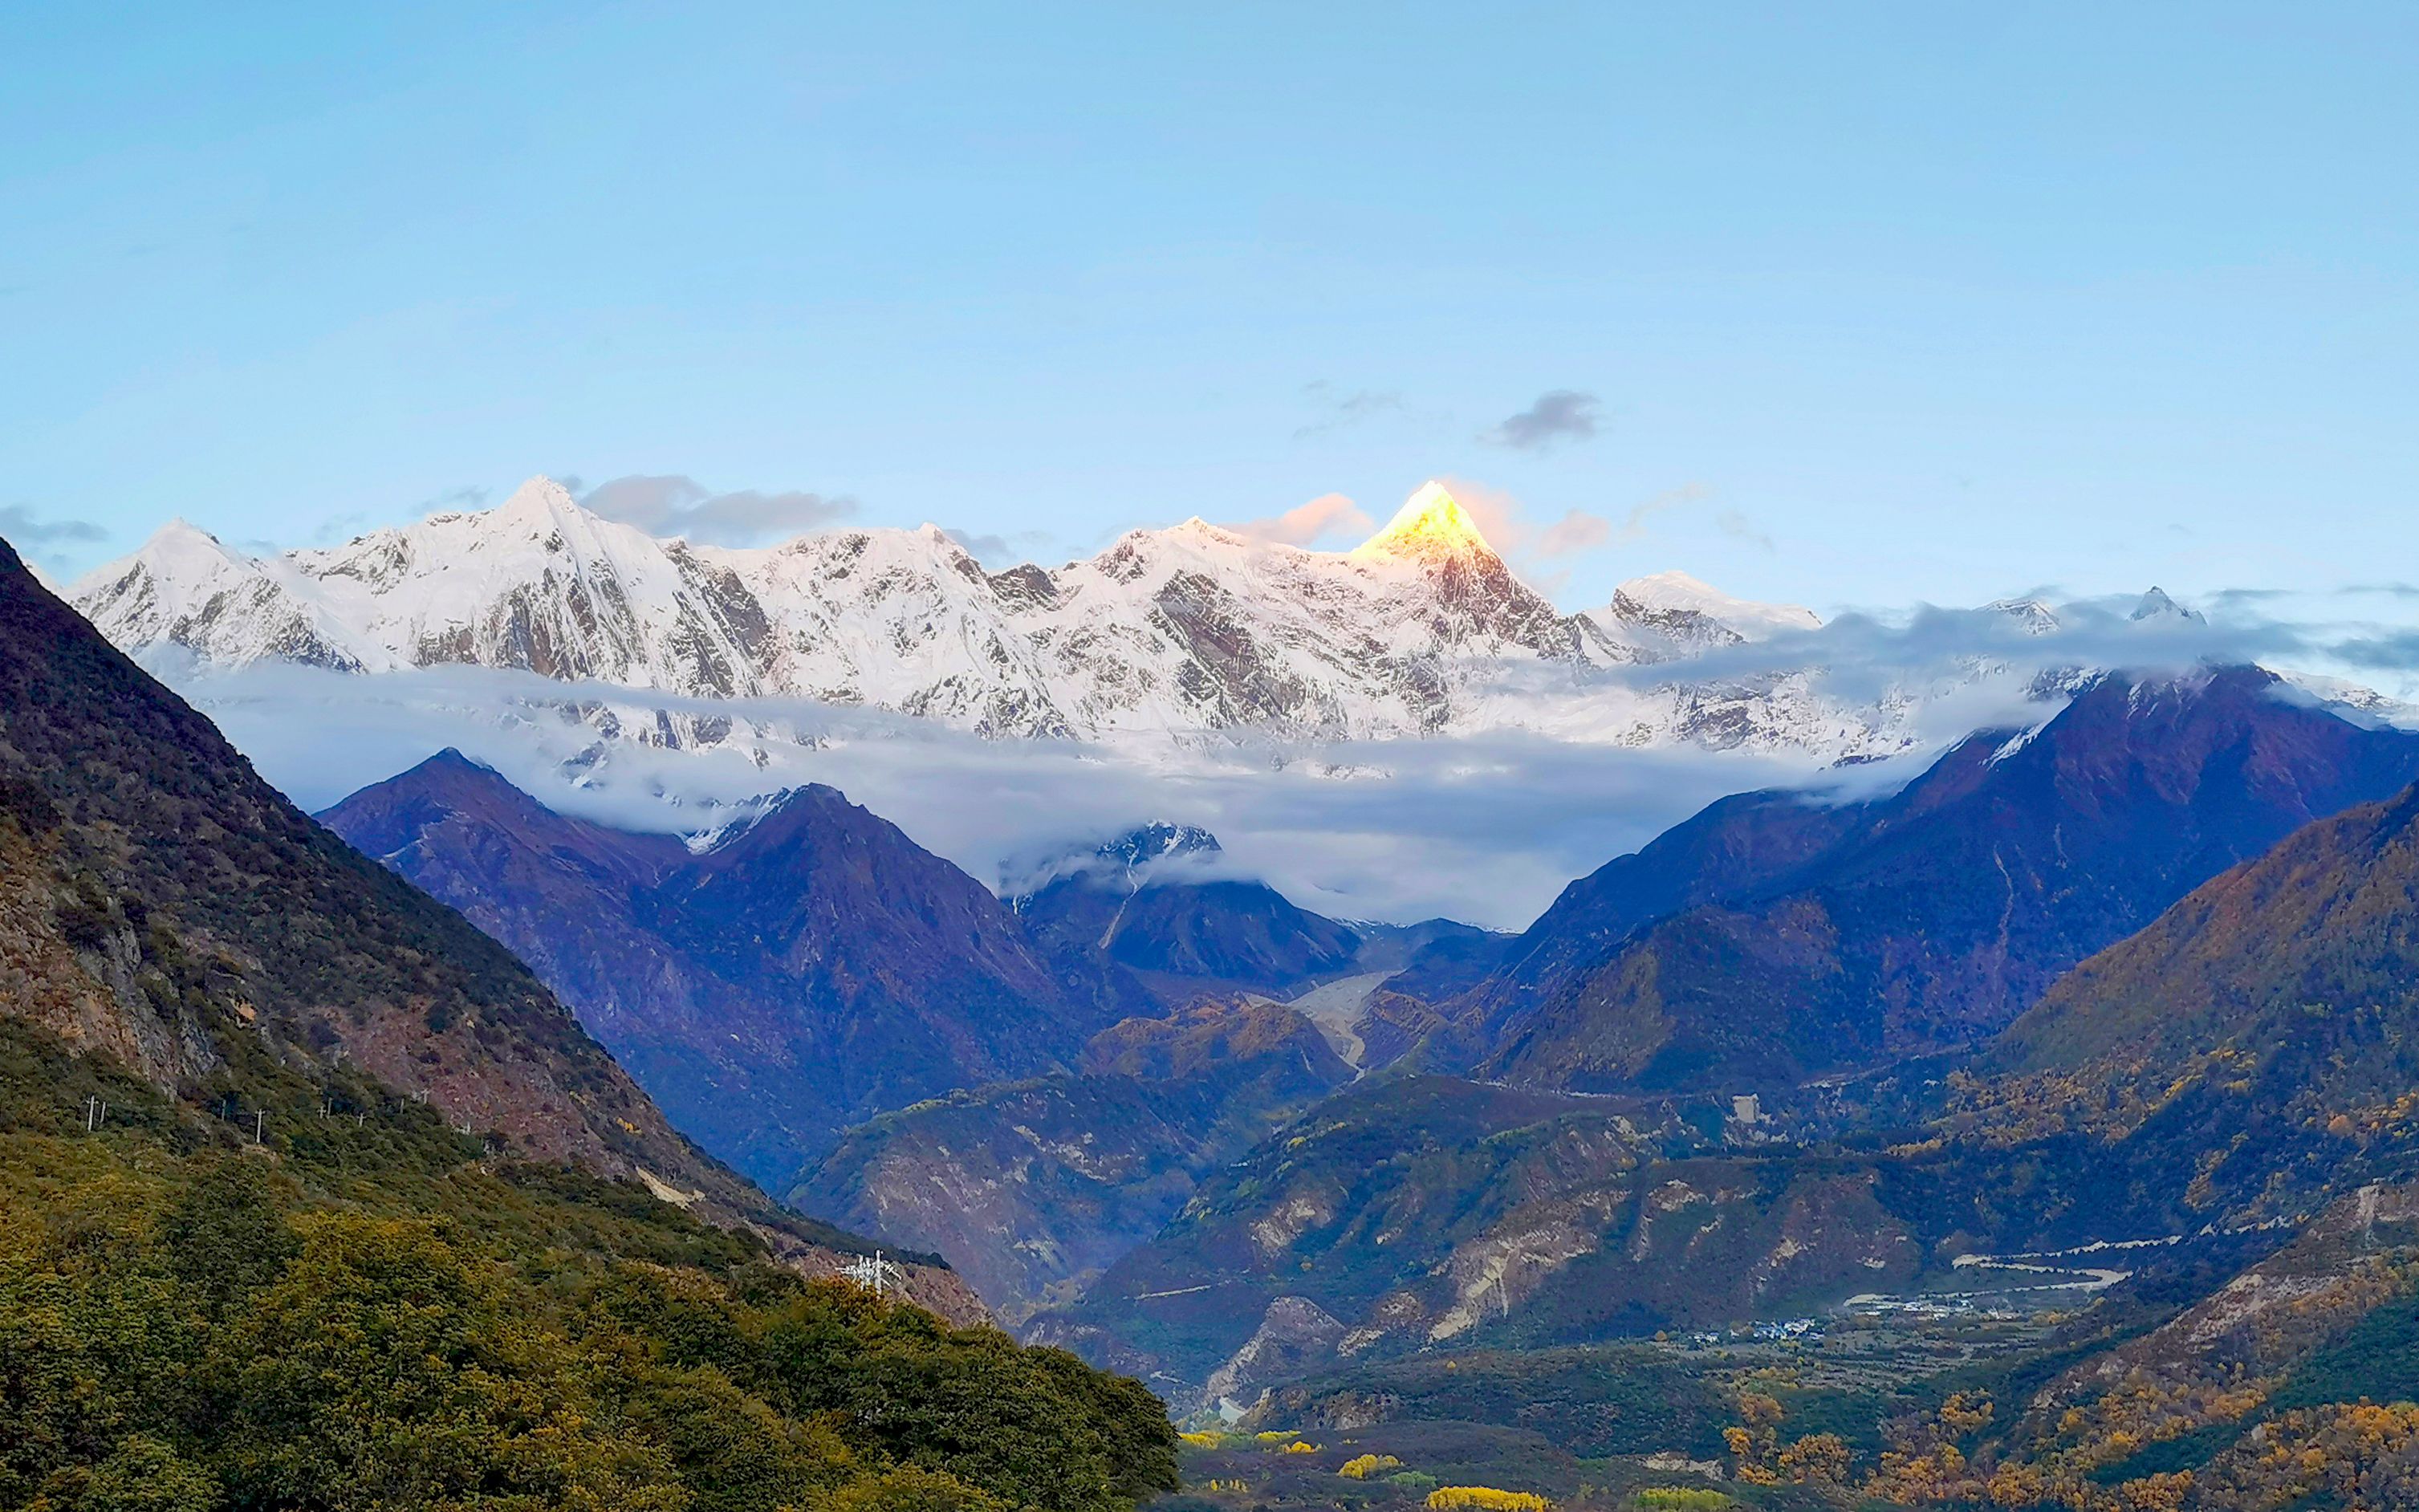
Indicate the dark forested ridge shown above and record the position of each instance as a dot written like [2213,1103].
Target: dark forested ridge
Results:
[157,899]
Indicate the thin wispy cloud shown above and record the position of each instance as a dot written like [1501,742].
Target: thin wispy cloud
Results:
[1508,527]
[1340,408]
[1576,530]
[2396,651]
[1739,527]
[675,504]
[467,497]
[52,547]
[1329,515]
[1558,415]
[29,531]
[996,550]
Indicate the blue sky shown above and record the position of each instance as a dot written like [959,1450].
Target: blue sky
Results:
[1873,303]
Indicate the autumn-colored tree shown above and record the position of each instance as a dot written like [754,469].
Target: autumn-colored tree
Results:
[1818,1458]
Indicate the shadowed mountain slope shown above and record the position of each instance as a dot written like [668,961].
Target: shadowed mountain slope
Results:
[1772,939]
[1145,907]
[809,970]
[2258,1043]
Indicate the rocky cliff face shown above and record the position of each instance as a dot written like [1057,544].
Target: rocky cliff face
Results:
[807,970]
[161,904]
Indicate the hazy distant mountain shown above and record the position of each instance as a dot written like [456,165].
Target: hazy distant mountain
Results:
[1774,937]
[1144,902]
[1182,631]
[799,972]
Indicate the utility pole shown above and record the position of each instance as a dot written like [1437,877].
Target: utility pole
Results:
[871,1274]
[259,1123]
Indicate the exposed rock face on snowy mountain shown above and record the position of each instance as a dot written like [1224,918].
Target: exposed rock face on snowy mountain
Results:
[1671,613]
[1193,629]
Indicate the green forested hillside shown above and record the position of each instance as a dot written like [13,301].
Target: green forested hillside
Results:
[372,1313]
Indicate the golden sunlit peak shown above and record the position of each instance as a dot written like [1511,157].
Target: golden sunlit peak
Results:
[1431,523]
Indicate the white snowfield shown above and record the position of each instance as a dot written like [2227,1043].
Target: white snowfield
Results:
[1185,632]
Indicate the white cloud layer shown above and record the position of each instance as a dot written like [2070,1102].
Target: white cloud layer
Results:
[673,505]
[1485,827]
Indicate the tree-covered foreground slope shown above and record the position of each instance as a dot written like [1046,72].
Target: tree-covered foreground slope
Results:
[372,1313]
[311,1196]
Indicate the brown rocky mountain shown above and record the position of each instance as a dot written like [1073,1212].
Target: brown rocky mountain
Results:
[161,904]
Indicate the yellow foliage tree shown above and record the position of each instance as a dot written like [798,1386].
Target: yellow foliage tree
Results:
[1483,1499]
[1818,1458]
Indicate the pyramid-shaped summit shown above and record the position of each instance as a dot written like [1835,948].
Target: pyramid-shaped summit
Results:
[1431,524]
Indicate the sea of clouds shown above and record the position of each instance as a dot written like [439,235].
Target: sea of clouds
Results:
[1483,828]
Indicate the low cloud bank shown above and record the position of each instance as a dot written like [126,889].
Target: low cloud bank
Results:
[1485,827]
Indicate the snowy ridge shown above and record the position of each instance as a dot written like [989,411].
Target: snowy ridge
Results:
[1182,632]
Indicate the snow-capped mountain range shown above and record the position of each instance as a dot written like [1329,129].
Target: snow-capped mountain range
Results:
[1189,631]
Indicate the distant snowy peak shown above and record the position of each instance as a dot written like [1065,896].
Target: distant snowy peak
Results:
[1182,632]
[1124,863]
[2157,607]
[1156,842]
[1677,593]
[1671,615]
[2036,617]
[184,588]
